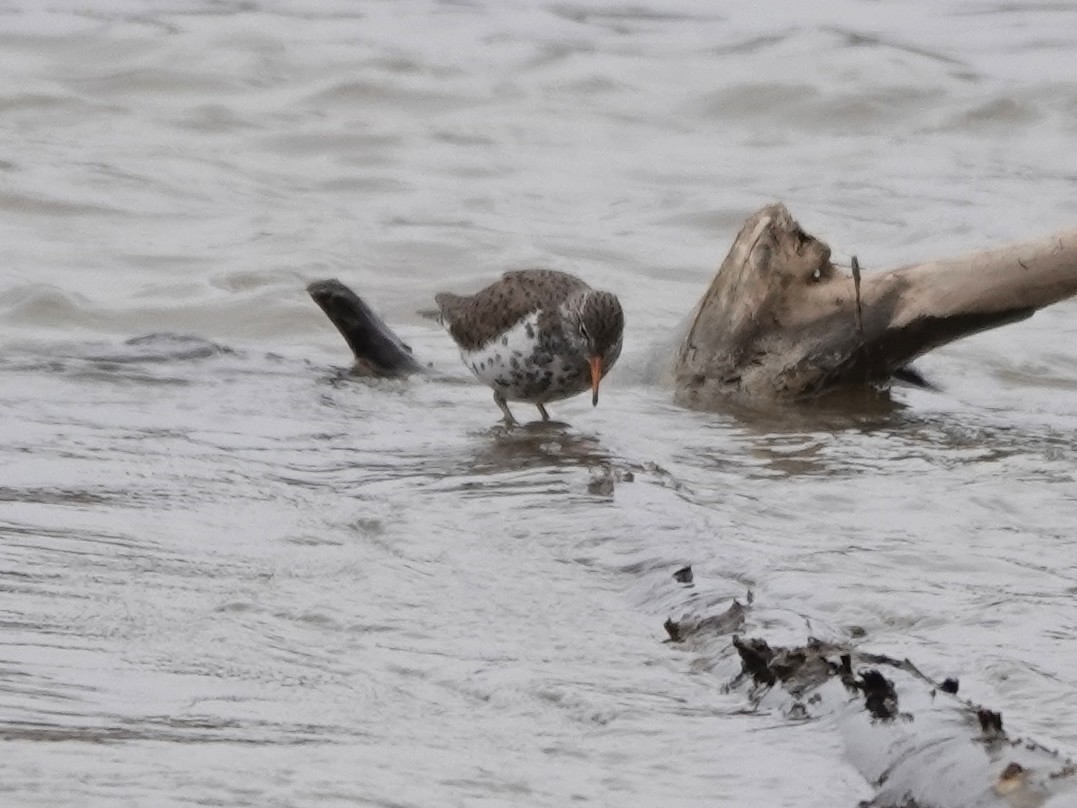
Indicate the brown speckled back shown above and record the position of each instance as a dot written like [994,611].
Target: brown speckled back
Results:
[476,320]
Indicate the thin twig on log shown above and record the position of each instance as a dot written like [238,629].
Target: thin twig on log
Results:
[855,266]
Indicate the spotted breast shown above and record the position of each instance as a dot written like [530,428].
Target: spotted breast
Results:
[536,335]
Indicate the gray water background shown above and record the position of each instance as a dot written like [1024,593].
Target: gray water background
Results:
[228,577]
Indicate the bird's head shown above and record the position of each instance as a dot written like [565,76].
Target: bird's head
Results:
[599,323]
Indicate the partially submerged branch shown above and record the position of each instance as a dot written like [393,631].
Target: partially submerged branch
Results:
[780,321]
[912,738]
[378,351]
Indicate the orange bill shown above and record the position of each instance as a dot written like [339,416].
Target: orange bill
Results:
[596,377]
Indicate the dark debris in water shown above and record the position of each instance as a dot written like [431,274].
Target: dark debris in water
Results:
[605,479]
[990,723]
[799,669]
[673,629]
[804,668]
[755,658]
[683,575]
[729,621]
[880,697]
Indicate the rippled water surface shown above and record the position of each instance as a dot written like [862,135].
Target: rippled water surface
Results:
[230,576]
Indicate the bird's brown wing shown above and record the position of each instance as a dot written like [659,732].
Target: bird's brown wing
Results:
[476,320]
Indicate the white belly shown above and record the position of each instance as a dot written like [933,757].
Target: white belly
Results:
[519,367]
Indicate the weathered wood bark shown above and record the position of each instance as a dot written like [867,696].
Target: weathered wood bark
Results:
[780,321]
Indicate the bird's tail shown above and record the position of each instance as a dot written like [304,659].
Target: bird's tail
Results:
[448,305]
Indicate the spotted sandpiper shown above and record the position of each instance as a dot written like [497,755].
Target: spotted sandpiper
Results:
[536,335]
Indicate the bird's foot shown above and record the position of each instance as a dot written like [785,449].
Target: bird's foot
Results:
[503,405]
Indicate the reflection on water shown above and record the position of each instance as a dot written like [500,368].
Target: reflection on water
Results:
[537,445]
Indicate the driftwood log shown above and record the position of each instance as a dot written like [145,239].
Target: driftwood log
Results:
[780,321]
[915,740]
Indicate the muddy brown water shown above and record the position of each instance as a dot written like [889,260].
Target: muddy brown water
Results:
[230,577]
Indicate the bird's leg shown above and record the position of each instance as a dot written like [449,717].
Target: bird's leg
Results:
[503,405]
[542,411]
